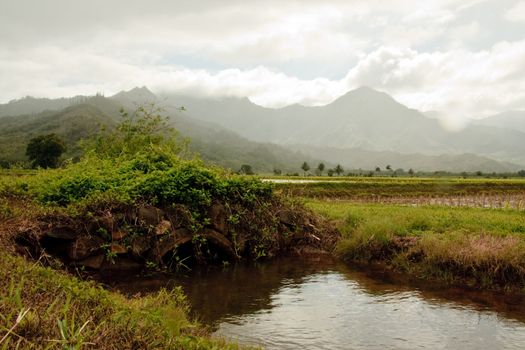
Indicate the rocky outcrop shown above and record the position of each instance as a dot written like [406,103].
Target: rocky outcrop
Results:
[131,238]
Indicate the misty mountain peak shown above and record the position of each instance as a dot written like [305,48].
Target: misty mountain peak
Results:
[137,94]
[365,95]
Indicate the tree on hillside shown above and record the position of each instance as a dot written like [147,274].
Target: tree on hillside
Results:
[305,167]
[378,169]
[246,169]
[320,168]
[388,167]
[338,169]
[44,151]
[143,131]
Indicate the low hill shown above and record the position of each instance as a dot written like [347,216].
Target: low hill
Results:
[216,145]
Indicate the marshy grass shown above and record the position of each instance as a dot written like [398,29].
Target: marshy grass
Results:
[41,308]
[485,247]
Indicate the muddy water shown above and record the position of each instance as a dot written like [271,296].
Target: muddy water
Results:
[290,304]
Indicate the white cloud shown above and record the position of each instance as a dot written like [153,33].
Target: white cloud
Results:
[418,51]
[516,13]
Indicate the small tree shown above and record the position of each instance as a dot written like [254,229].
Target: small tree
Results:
[44,151]
[338,169]
[411,172]
[378,169]
[331,172]
[305,167]
[388,167]
[143,130]
[320,169]
[246,169]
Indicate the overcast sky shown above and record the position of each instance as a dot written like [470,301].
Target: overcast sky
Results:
[463,57]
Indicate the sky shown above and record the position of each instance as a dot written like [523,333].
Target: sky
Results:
[464,58]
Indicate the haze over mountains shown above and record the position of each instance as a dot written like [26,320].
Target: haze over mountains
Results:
[513,120]
[364,128]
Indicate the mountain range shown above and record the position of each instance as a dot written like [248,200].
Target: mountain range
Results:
[363,129]
[363,118]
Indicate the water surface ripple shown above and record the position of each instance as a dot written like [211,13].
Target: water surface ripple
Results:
[312,305]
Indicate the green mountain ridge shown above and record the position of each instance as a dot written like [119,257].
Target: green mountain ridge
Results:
[214,144]
[218,140]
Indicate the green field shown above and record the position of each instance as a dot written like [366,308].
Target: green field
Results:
[484,247]
[372,188]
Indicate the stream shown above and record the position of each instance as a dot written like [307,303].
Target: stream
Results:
[324,304]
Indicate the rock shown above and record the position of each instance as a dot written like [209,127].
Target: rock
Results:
[171,242]
[220,241]
[219,217]
[150,216]
[118,248]
[182,232]
[84,247]
[179,216]
[106,222]
[121,265]
[163,228]
[286,217]
[118,235]
[139,246]
[93,262]
[62,232]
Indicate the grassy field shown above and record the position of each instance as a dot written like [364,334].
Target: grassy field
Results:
[485,247]
[376,189]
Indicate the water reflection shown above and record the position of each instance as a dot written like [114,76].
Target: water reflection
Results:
[291,304]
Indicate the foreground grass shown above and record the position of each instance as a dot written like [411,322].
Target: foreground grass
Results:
[485,247]
[43,308]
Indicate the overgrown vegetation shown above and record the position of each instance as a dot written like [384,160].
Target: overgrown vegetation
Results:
[483,246]
[44,309]
[135,193]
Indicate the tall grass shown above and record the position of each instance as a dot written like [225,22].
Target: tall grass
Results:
[44,309]
[483,246]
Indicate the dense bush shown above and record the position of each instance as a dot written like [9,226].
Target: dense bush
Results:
[142,159]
